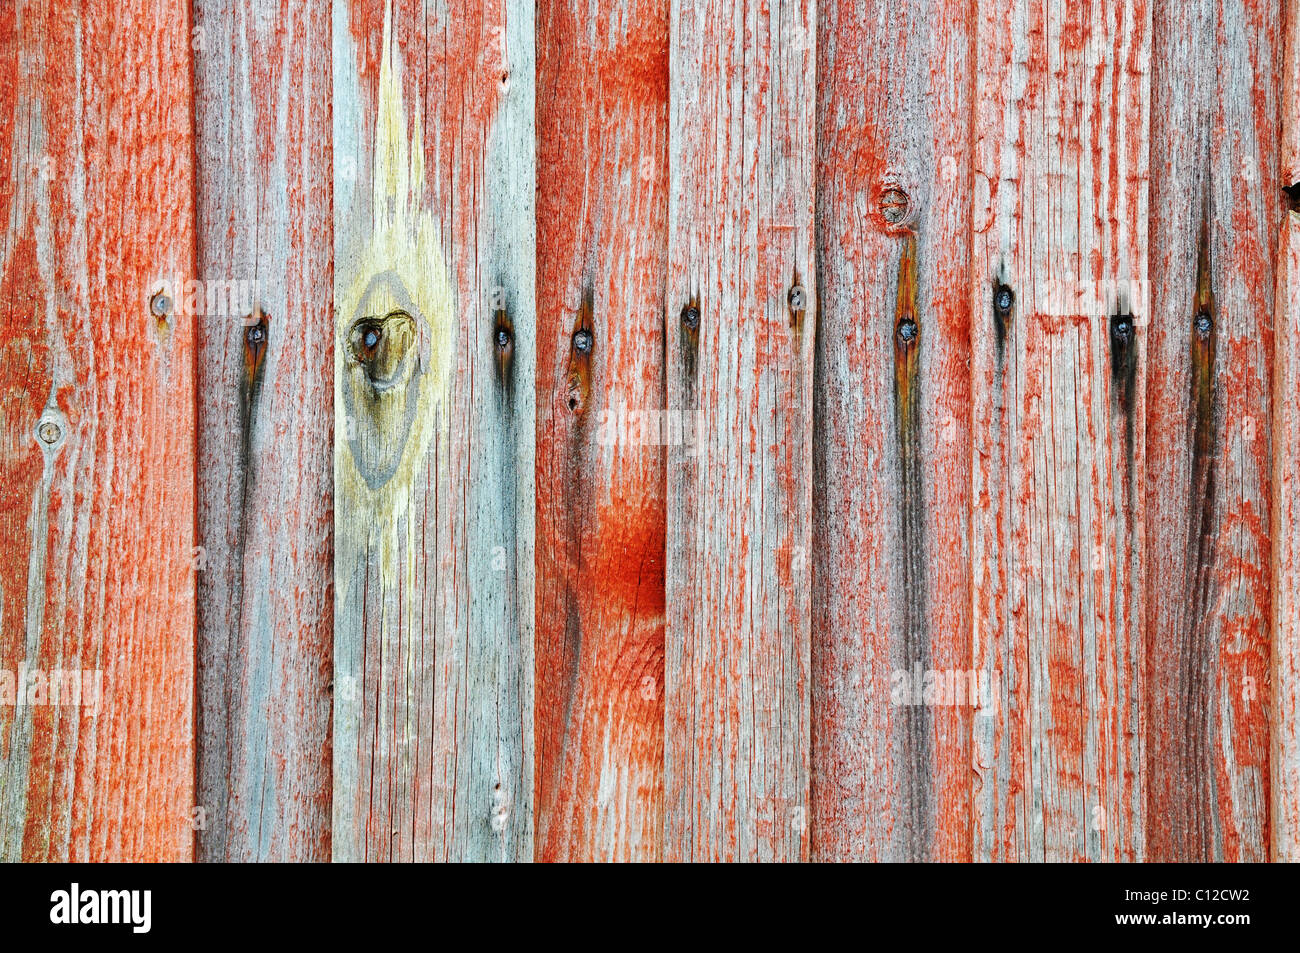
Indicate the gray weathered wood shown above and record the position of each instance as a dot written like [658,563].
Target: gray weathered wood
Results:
[434,409]
[891,471]
[265,484]
[739,321]
[1215,208]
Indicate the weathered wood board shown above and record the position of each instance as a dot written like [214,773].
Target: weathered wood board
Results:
[265,446]
[739,318]
[901,396]
[602,131]
[1059,307]
[96,432]
[434,179]
[1284,720]
[1215,208]
[891,472]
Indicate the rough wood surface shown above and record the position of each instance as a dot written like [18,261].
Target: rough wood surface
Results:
[1215,209]
[1058,309]
[1284,718]
[891,474]
[265,396]
[434,430]
[96,430]
[739,323]
[602,254]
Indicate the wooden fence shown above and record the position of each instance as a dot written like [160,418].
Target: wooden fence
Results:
[649,430]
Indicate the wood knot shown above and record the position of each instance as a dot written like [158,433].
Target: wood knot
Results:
[894,205]
[381,345]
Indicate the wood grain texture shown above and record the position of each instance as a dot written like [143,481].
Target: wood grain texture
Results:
[602,257]
[434,186]
[1284,717]
[97,425]
[1215,205]
[740,321]
[1285,632]
[891,585]
[265,482]
[1058,305]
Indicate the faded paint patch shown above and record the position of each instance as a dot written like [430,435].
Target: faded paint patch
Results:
[395,327]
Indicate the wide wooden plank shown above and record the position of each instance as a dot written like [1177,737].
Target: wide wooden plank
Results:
[1215,209]
[1059,307]
[434,182]
[265,480]
[602,132]
[1284,720]
[891,486]
[740,317]
[96,432]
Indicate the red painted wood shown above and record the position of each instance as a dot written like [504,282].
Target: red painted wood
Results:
[1059,308]
[602,131]
[740,318]
[1284,717]
[97,412]
[1215,208]
[891,476]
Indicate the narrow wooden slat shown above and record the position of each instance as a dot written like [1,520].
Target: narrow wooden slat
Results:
[1284,766]
[434,430]
[265,483]
[1285,720]
[1059,305]
[1214,214]
[97,418]
[602,255]
[740,320]
[891,584]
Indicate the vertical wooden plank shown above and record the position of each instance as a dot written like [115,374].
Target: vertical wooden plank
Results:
[434,429]
[602,258]
[740,319]
[1059,308]
[1214,214]
[265,295]
[1284,766]
[1285,717]
[892,700]
[97,418]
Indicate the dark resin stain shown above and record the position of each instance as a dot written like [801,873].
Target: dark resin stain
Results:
[690,340]
[503,350]
[917,834]
[582,342]
[1004,301]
